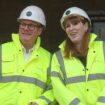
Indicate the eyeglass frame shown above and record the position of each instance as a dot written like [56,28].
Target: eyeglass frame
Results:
[31,27]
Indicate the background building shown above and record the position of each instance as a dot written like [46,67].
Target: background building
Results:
[53,35]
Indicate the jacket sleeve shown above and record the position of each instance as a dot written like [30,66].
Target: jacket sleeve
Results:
[63,95]
[47,97]
[101,98]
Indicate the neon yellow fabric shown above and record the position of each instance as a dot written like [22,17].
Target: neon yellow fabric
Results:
[84,84]
[21,83]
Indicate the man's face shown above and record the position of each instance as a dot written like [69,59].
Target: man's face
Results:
[29,31]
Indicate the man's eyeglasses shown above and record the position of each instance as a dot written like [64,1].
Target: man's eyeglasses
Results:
[29,26]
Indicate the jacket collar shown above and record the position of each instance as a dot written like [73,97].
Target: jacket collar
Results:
[15,38]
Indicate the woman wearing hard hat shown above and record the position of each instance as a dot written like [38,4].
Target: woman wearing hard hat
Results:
[25,64]
[78,68]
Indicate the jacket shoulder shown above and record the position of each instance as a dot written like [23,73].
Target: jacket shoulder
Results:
[7,44]
[7,48]
[43,51]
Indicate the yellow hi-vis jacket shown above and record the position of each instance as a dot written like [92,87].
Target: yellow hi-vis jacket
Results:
[21,82]
[76,84]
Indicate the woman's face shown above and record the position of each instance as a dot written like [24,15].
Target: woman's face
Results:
[76,30]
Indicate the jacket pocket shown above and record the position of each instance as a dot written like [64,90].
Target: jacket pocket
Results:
[8,65]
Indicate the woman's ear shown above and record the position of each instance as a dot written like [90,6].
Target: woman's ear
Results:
[86,26]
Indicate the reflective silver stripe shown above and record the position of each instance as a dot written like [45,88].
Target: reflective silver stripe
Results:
[78,79]
[25,79]
[104,48]
[49,87]
[0,62]
[46,99]
[101,99]
[49,68]
[91,77]
[75,79]
[56,74]
[49,74]
[75,102]
[61,62]
[96,76]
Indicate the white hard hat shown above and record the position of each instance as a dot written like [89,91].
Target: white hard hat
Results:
[33,13]
[74,11]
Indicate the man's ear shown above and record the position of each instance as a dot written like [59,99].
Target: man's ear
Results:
[40,30]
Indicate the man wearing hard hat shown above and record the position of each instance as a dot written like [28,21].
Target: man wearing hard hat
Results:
[78,68]
[25,64]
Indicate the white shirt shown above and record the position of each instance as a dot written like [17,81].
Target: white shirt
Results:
[27,55]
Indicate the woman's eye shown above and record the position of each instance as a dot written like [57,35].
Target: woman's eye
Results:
[75,23]
[67,26]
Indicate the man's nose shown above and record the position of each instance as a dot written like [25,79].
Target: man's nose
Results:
[26,27]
